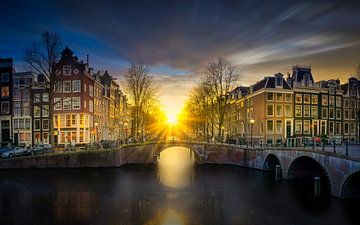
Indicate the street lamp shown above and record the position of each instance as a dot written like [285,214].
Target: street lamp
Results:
[252,121]
[96,137]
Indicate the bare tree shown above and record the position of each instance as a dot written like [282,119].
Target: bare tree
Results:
[41,57]
[140,89]
[220,78]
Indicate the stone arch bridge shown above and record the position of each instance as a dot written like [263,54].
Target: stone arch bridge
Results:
[341,172]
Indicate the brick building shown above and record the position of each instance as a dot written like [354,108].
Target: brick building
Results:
[6,73]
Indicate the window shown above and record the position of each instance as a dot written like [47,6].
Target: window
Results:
[17,95]
[346,128]
[279,110]
[73,120]
[298,126]
[331,127]
[338,101]
[270,110]
[352,128]
[338,128]
[27,123]
[58,87]
[76,86]
[353,103]
[306,126]
[81,119]
[352,114]
[67,103]
[298,111]
[331,113]
[314,111]
[279,97]
[346,103]
[67,86]
[5,91]
[324,100]
[76,102]
[91,106]
[324,113]
[16,123]
[314,99]
[298,98]
[346,114]
[81,136]
[306,111]
[45,110]
[5,107]
[37,111]
[37,124]
[45,97]
[270,96]
[37,98]
[57,104]
[17,108]
[68,120]
[332,100]
[288,111]
[288,98]
[338,114]
[279,126]
[270,126]
[67,70]
[91,91]
[45,124]
[323,128]
[279,81]
[306,98]
[5,77]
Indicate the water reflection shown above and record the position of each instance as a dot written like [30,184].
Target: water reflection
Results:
[134,196]
[176,167]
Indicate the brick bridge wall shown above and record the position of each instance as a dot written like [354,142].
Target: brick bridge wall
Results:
[338,168]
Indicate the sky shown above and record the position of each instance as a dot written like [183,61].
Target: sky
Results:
[177,39]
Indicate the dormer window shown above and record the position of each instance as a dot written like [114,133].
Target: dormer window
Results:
[67,70]
[306,79]
[279,81]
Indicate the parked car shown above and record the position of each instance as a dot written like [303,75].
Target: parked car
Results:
[48,147]
[36,149]
[4,149]
[16,151]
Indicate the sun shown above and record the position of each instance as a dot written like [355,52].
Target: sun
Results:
[171,119]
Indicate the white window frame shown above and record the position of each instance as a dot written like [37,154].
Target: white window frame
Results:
[67,84]
[76,86]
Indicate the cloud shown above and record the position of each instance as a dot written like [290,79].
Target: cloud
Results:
[178,38]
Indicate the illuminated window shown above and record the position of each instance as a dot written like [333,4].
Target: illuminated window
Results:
[298,98]
[298,111]
[324,100]
[306,98]
[5,91]
[314,99]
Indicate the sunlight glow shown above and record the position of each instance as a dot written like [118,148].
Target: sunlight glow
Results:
[171,118]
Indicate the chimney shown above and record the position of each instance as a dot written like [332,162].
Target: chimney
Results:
[87,59]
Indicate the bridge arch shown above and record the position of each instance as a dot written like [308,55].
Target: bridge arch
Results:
[270,162]
[307,167]
[351,186]
[195,153]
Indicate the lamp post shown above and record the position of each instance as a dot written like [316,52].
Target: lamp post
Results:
[96,134]
[252,121]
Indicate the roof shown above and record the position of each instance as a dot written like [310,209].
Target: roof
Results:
[269,82]
[300,72]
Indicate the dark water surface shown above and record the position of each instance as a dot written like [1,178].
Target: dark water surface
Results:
[134,195]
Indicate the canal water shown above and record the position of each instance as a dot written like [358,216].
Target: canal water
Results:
[175,192]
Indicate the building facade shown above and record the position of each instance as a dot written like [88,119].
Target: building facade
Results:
[73,101]
[6,73]
[22,105]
